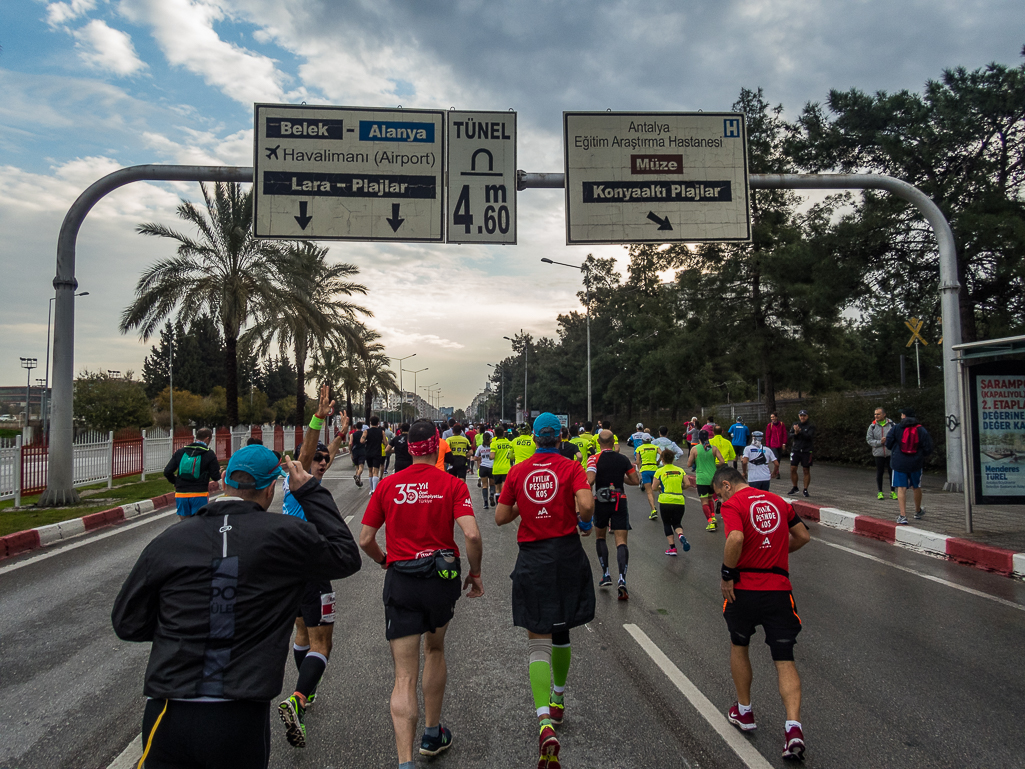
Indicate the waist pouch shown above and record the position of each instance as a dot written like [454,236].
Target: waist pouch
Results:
[609,495]
[759,460]
[443,564]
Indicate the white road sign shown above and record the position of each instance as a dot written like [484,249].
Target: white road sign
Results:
[655,177]
[481,177]
[347,173]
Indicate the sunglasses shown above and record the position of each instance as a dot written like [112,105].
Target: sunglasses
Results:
[318,457]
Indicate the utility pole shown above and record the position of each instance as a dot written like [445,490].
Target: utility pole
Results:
[28,364]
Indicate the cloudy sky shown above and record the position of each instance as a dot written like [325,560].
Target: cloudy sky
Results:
[88,86]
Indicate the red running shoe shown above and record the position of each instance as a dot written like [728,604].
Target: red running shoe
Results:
[548,743]
[793,744]
[743,721]
[557,711]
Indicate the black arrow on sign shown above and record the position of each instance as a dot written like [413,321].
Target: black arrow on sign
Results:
[302,218]
[663,224]
[395,222]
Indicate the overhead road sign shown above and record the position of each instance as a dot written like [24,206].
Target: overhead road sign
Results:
[656,177]
[348,173]
[481,177]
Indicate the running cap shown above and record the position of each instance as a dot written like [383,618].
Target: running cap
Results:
[321,447]
[758,434]
[547,425]
[260,462]
[580,431]
[640,426]
[908,412]
[802,413]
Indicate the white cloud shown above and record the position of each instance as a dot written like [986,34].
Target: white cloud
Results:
[61,13]
[103,47]
[184,30]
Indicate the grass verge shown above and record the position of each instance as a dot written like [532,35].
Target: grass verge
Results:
[129,489]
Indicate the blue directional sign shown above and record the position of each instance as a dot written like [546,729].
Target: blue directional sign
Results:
[347,173]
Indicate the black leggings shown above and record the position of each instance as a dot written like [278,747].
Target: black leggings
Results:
[672,517]
[883,463]
[206,735]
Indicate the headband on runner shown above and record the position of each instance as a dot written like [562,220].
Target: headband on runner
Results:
[423,448]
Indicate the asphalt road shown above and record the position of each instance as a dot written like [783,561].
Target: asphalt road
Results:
[906,660]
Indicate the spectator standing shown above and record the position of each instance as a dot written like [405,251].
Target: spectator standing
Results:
[878,431]
[909,444]
[190,470]
[738,438]
[776,437]
[803,436]
[691,434]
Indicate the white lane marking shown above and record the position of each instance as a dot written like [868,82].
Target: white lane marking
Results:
[948,583]
[84,542]
[349,518]
[130,756]
[744,749]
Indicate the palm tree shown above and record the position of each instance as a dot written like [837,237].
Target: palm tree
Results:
[376,379]
[225,272]
[326,317]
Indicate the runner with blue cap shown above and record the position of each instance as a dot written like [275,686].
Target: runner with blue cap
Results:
[553,590]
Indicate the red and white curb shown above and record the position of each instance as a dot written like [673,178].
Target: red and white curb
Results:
[964,551]
[42,536]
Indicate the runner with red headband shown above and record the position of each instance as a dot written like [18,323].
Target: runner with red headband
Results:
[419,508]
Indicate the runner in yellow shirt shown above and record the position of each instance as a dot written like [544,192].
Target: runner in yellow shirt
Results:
[647,463]
[523,445]
[724,446]
[669,483]
[585,446]
[504,458]
[607,425]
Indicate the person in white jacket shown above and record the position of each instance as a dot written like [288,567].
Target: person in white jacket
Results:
[876,438]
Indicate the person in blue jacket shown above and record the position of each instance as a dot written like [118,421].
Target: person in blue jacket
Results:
[739,433]
[910,444]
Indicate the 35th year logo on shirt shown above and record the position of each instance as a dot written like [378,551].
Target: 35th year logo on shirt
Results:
[410,493]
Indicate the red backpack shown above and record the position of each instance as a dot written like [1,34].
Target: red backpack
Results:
[909,440]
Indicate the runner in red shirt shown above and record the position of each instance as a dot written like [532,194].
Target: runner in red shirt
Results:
[553,589]
[419,508]
[762,529]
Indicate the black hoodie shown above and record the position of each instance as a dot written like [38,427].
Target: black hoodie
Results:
[217,594]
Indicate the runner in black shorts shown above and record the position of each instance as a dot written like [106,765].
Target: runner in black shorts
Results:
[608,471]
[419,508]
[802,435]
[373,444]
[357,450]
[761,530]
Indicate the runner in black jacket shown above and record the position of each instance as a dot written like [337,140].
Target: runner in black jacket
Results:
[217,597]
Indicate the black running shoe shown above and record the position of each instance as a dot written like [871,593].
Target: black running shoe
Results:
[605,581]
[793,490]
[432,746]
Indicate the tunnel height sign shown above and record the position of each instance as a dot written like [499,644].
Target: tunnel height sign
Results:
[348,173]
[655,177]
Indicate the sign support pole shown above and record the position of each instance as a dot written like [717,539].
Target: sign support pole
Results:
[60,480]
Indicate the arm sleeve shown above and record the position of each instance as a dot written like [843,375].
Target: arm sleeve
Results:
[134,615]
[334,554]
[172,466]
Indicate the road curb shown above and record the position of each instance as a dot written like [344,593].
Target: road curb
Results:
[42,536]
[966,551]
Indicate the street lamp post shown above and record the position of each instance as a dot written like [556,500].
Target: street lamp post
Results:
[526,408]
[430,404]
[400,381]
[587,300]
[501,376]
[416,410]
[46,378]
[28,364]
